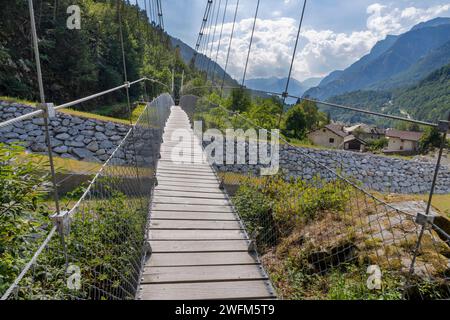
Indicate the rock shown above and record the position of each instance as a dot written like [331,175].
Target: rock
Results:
[115,138]
[61,149]
[106,144]
[100,152]
[88,133]
[38,121]
[76,144]
[38,147]
[100,136]
[63,136]
[99,128]
[82,153]
[11,135]
[93,146]
[110,126]
[79,138]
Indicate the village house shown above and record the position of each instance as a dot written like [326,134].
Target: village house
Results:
[365,132]
[406,142]
[330,136]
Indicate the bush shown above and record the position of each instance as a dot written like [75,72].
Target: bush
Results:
[377,144]
[274,206]
[256,212]
[23,186]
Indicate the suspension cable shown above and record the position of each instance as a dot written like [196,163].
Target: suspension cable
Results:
[208,37]
[160,14]
[286,91]
[220,41]
[229,47]
[202,28]
[251,42]
[204,40]
[213,39]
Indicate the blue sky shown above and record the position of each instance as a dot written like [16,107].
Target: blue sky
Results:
[335,33]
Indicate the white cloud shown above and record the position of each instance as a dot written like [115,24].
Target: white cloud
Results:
[320,51]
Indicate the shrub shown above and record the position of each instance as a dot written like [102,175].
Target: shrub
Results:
[256,212]
[275,206]
[23,185]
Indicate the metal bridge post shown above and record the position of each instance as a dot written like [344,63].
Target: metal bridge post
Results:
[48,112]
[425,219]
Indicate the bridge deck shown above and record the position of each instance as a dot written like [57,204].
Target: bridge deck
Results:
[199,249]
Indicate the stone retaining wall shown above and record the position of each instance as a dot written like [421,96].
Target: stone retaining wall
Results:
[380,173]
[72,137]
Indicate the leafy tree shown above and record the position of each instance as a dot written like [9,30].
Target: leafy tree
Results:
[296,122]
[240,100]
[430,139]
[303,117]
[77,63]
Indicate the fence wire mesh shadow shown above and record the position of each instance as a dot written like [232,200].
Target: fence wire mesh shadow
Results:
[322,234]
[98,247]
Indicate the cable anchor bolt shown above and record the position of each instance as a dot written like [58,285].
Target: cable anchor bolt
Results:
[425,220]
[62,222]
[49,110]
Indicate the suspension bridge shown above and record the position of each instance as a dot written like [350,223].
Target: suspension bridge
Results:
[165,226]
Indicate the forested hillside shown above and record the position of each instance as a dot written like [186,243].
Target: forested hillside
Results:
[76,63]
[429,100]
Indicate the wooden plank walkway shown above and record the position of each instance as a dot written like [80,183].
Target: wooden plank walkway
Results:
[199,247]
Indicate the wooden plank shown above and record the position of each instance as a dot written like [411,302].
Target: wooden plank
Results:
[199,259]
[180,215]
[196,234]
[194,224]
[194,184]
[185,169]
[202,274]
[190,179]
[196,201]
[188,208]
[198,246]
[169,165]
[193,194]
[205,190]
[207,291]
[185,174]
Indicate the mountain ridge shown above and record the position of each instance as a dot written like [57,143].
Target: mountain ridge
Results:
[392,60]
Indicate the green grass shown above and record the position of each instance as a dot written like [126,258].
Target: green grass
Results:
[18,100]
[100,113]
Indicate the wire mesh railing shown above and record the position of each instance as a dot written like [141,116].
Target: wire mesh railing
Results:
[321,233]
[97,246]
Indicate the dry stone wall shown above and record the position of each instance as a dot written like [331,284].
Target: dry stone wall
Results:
[72,137]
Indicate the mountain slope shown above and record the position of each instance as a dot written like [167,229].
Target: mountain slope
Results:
[202,62]
[432,61]
[429,100]
[278,85]
[391,57]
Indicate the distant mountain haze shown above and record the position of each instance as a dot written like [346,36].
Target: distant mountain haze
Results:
[278,85]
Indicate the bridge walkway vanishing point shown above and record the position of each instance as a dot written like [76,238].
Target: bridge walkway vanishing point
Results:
[199,246]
